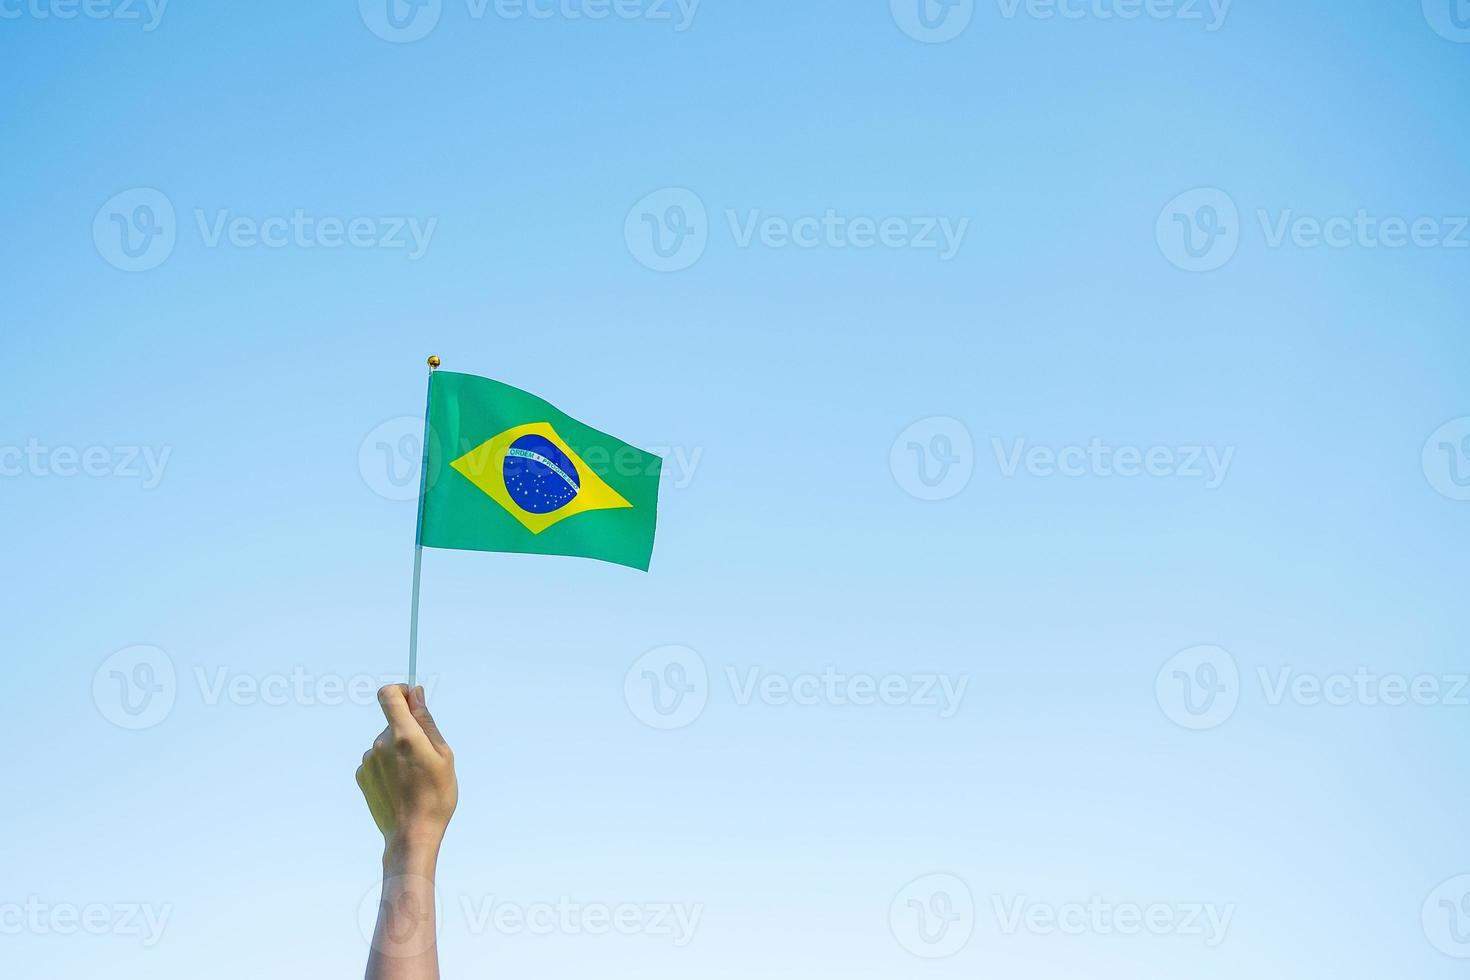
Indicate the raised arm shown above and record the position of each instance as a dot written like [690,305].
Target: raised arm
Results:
[408,780]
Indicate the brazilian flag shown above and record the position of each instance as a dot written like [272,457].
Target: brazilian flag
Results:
[506,471]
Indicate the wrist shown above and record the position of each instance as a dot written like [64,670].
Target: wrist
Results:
[412,852]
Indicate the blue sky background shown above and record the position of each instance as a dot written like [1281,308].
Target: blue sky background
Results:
[269,547]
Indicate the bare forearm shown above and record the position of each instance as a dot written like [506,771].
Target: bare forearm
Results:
[404,945]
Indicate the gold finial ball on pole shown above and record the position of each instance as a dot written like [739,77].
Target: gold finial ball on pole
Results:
[434,362]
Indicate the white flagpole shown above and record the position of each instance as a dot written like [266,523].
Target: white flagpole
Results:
[413,619]
[418,540]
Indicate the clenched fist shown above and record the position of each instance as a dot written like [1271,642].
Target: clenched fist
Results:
[408,775]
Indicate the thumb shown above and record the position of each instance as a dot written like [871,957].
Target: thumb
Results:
[420,709]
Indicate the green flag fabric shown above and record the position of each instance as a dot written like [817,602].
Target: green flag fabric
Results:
[506,471]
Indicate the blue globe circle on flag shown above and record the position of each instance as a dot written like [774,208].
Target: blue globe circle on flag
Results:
[539,477]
